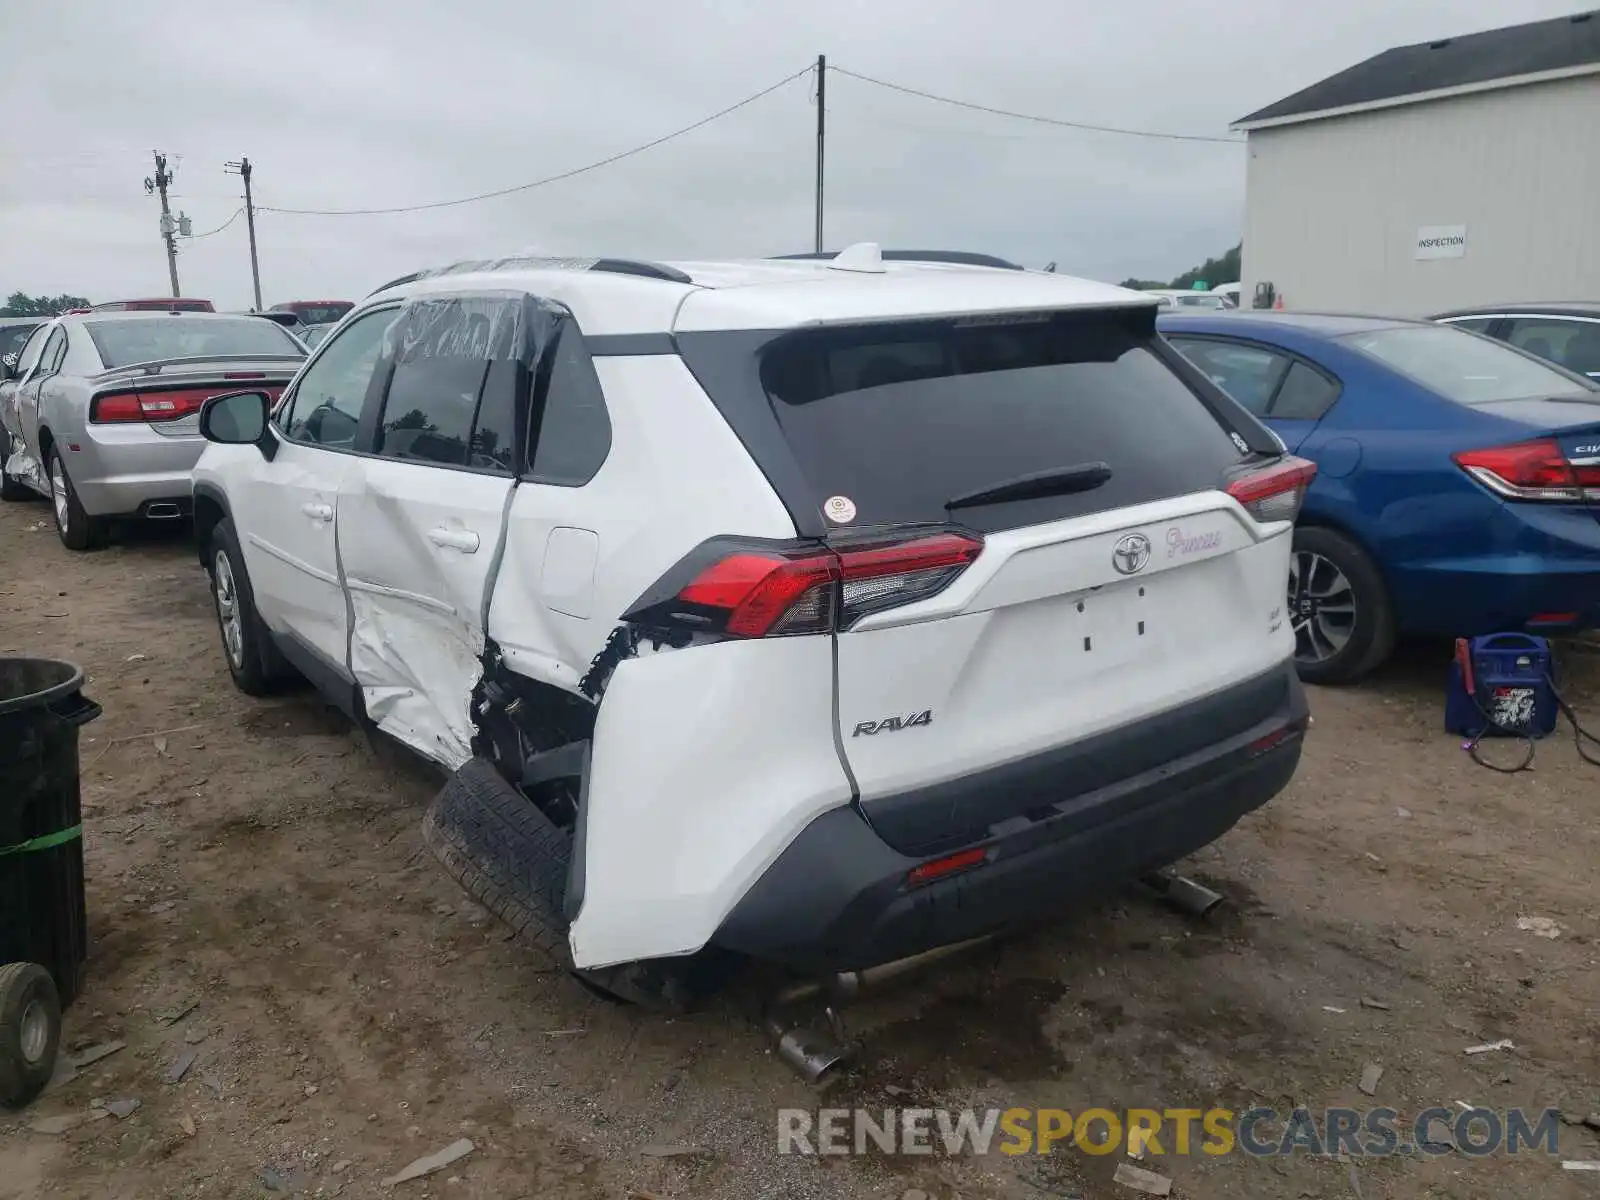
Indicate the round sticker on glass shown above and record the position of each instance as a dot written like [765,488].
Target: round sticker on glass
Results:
[841,510]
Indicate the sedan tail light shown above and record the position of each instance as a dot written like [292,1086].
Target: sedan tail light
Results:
[749,590]
[171,405]
[1536,471]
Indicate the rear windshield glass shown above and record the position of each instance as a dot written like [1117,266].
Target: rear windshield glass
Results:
[320,314]
[1461,367]
[152,339]
[901,419]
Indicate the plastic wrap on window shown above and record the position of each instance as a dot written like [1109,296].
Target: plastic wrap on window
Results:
[493,328]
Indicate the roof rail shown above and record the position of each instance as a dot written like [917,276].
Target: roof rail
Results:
[965,258]
[645,270]
[613,266]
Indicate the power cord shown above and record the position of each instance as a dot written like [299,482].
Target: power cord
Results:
[1579,734]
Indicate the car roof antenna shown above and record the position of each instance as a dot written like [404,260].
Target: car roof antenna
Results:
[864,257]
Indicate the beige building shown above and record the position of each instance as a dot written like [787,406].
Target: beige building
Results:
[1457,172]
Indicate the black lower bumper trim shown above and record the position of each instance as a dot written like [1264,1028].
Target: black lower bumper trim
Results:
[836,899]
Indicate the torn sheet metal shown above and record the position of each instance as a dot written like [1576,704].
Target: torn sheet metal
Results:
[23,465]
[423,666]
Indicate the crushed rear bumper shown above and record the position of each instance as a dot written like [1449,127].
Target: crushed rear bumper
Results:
[838,899]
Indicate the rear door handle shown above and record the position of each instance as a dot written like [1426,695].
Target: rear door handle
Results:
[318,512]
[463,540]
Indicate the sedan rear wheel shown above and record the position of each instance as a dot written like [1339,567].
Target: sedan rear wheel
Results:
[1338,607]
[77,529]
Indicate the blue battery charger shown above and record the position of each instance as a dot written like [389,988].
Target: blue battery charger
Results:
[1502,685]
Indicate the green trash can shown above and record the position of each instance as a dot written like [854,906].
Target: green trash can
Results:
[43,921]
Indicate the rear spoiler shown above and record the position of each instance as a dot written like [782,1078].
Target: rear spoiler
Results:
[157,366]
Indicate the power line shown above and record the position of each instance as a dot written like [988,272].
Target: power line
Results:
[236,214]
[523,187]
[1002,112]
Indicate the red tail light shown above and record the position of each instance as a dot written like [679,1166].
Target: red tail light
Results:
[1275,492]
[759,592]
[172,405]
[1535,470]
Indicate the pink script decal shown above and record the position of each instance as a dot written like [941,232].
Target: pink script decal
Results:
[1178,544]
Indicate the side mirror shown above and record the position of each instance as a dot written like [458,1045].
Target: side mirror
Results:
[238,419]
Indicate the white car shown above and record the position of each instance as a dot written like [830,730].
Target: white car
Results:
[825,612]
[1179,300]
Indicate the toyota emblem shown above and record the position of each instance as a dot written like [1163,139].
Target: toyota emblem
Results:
[1130,554]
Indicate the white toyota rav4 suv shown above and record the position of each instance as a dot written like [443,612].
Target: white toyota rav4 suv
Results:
[821,611]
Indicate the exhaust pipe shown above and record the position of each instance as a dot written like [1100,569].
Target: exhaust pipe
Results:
[816,1056]
[162,511]
[811,1054]
[1183,893]
[847,985]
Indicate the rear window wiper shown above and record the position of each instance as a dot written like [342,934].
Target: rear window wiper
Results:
[1062,481]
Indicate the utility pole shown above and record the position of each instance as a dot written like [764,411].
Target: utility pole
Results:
[242,169]
[822,125]
[158,183]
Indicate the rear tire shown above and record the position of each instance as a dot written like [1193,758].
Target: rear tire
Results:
[513,859]
[30,1032]
[1339,607]
[253,659]
[505,854]
[11,489]
[77,529]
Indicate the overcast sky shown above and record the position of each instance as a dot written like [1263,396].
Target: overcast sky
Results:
[358,104]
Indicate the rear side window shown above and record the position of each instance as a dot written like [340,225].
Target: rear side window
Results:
[54,351]
[1304,395]
[1459,367]
[1249,374]
[900,419]
[574,430]
[451,394]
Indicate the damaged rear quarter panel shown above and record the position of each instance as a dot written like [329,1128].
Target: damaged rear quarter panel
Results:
[707,762]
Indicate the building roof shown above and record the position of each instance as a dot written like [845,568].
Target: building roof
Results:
[1472,62]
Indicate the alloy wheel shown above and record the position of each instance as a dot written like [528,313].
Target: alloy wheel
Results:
[228,616]
[58,493]
[35,1031]
[1322,607]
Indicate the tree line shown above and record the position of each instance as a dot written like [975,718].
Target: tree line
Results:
[20,304]
[1212,272]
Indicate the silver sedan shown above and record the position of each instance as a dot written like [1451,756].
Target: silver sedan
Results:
[101,410]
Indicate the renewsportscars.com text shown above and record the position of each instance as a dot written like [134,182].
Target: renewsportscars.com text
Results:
[1259,1132]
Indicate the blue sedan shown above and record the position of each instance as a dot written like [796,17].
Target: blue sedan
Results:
[1458,478]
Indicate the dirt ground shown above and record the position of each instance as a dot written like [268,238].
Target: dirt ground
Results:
[259,895]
